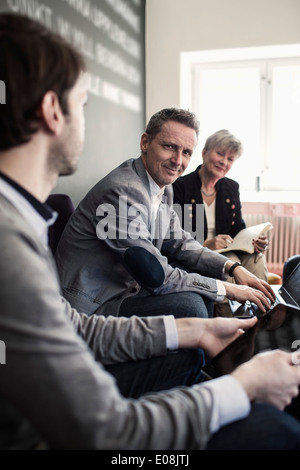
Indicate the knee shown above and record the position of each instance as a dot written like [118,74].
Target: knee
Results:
[192,304]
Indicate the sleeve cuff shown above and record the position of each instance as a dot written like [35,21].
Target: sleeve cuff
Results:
[171,332]
[221,291]
[230,401]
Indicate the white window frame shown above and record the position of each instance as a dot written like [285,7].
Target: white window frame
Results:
[272,54]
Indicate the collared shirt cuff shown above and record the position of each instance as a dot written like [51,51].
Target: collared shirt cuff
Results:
[230,401]
[171,332]
[224,268]
[221,291]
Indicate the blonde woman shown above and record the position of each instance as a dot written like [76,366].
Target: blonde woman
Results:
[220,195]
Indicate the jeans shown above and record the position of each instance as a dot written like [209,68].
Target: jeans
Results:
[179,304]
[135,378]
[182,367]
[265,428]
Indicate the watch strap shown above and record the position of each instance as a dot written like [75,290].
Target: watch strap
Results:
[235,265]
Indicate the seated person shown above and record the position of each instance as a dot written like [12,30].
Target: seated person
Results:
[54,391]
[223,219]
[132,206]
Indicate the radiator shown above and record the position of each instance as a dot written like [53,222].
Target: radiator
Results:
[284,237]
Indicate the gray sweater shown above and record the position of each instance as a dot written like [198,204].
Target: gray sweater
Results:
[53,375]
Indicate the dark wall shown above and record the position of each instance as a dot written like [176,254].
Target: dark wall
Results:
[111,36]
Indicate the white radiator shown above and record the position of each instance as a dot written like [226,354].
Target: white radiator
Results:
[284,237]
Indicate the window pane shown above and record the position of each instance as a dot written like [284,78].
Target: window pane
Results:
[283,166]
[230,98]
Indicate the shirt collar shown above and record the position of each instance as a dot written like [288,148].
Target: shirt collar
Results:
[40,216]
[155,190]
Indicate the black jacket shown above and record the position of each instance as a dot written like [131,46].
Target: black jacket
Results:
[228,205]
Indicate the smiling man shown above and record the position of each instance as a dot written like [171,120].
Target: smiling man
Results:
[168,154]
[132,208]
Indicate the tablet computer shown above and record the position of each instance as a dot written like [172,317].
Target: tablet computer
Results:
[276,329]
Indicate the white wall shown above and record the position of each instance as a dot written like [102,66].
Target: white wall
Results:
[175,26]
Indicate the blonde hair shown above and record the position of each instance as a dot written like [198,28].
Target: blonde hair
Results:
[223,139]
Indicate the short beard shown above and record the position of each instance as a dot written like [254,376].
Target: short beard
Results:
[60,163]
[62,158]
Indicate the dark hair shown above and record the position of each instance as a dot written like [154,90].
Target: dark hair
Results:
[171,114]
[33,60]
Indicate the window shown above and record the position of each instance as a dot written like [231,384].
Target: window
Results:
[257,99]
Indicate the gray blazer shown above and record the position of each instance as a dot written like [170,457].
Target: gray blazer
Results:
[51,376]
[90,260]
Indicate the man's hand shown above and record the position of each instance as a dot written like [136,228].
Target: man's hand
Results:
[243,293]
[270,377]
[243,277]
[210,334]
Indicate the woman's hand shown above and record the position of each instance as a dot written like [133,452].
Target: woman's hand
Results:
[260,244]
[219,242]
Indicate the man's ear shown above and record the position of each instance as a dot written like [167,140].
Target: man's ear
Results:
[51,113]
[144,142]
